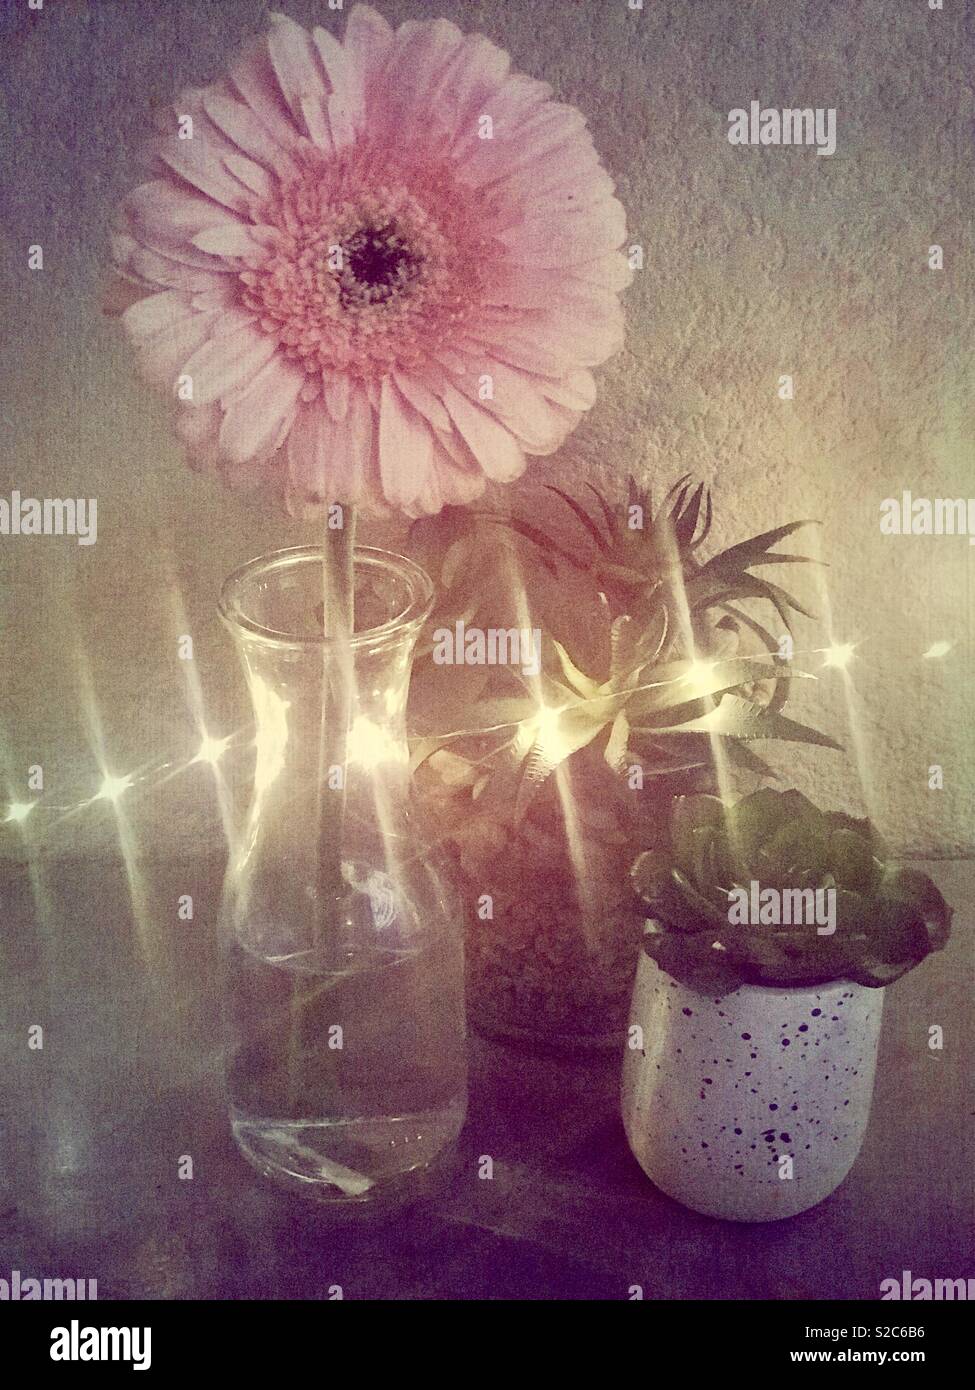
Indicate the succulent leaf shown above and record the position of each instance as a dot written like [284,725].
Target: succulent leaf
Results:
[887,919]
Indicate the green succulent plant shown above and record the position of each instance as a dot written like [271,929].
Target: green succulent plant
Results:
[885,919]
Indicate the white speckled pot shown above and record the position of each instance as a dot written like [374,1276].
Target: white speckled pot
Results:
[723,1090]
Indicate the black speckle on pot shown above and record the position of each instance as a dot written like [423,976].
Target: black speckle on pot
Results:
[706,1131]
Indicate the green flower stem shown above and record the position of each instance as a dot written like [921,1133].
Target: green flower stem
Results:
[338,694]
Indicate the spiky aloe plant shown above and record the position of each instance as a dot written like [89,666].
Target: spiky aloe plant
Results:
[886,919]
[640,642]
[644,559]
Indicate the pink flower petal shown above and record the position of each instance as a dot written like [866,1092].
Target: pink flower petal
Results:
[529,344]
[171,272]
[299,73]
[254,78]
[527,287]
[254,416]
[157,313]
[337,391]
[198,429]
[423,399]
[576,329]
[405,448]
[361,459]
[597,338]
[199,161]
[368,39]
[167,217]
[518,98]
[232,239]
[519,405]
[310,455]
[575,238]
[243,129]
[421,54]
[496,450]
[223,297]
[571,179]
[466,90]
[228,361]
[334,460]
[163,356]
[610,272]
[346,111]
[459,475]
[541,136]
[577,391]
[250,174]
[458,486]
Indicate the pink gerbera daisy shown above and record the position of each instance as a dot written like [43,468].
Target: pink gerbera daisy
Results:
[376,271]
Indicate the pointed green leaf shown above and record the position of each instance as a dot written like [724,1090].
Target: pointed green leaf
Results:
[583,516]
[739,718]
[738,554]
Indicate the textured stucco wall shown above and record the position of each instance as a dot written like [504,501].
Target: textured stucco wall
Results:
[759,262]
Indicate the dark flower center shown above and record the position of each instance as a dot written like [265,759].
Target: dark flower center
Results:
[377,265]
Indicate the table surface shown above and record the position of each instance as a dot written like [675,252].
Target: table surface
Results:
[92,1127]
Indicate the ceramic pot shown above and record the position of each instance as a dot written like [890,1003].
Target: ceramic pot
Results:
[751,1107]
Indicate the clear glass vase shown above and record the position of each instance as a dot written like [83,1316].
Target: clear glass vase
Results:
[344,990]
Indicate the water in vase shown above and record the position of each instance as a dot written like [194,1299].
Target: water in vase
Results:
[350,1076]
